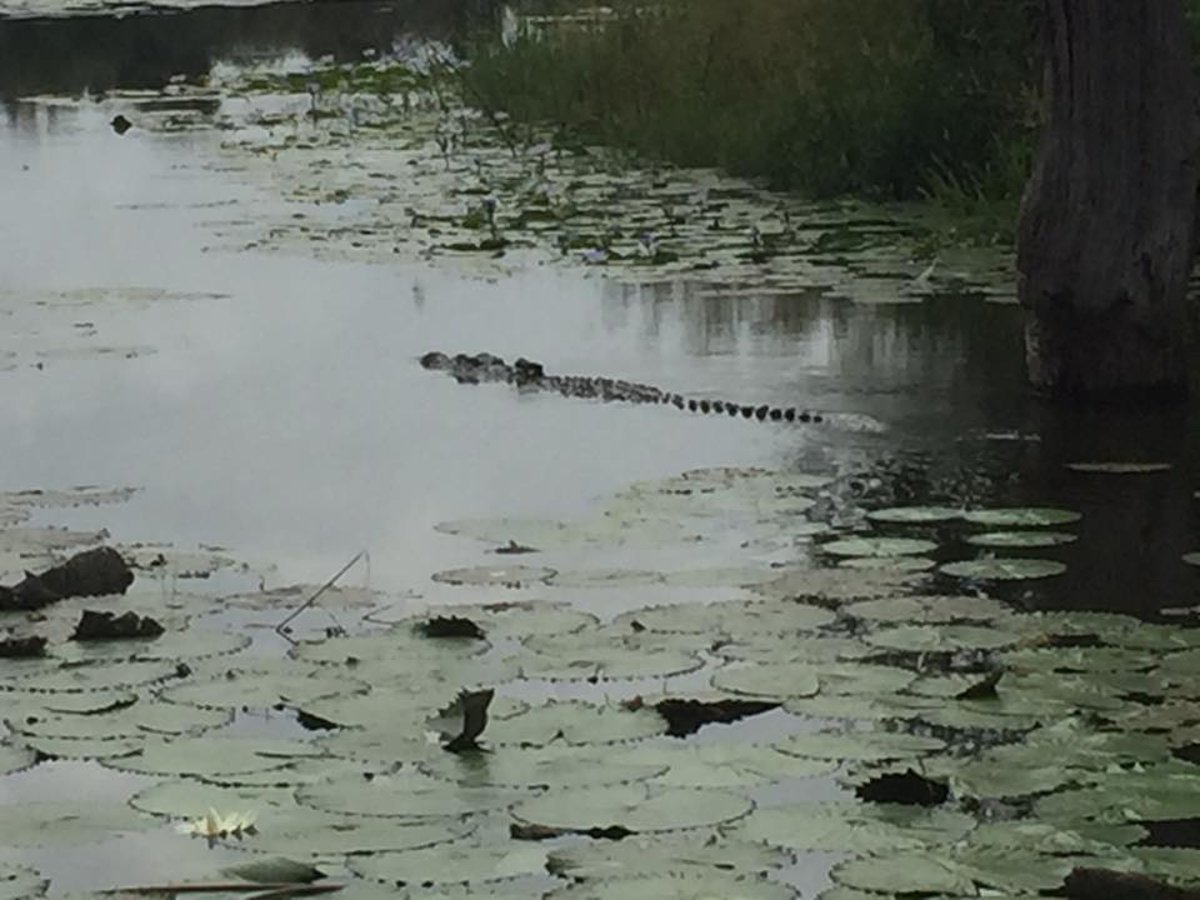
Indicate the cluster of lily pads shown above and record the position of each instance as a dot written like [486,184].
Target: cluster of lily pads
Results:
[386,159]
[1054,740]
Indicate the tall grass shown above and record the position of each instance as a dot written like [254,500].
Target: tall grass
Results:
[882,98]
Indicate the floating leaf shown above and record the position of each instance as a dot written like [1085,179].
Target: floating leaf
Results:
[1022,517]
[407,794]
[678,886]
[453,862]
[854,827]
[878,547]
[731,618]
[576,722]
[906,873]
[1021,539]
[915,514]
[275,870]
[496,576]
[860,745]
[213,754]
[638,856]
[940,638]
[1004,569]
[1118,468]
[928,609]
[894,563]
[638,808]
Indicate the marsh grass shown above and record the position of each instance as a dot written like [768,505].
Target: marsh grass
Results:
[880,98]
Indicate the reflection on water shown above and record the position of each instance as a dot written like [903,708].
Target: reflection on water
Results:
[284,414]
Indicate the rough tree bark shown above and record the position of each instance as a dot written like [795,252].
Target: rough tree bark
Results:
[1107,229]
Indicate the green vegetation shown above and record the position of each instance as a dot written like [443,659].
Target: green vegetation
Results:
[880,98]
[884,99]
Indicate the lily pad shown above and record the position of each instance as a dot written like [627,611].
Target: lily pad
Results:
[800,679]
[928,609]
[407,794]
[580,656]
[554,766]
[678,886]
[638,856]
[878,547]
[19,882]
[913,515]
[497,576]
[638,808]
[263,685]
[894,563]
[732,618]
[452,862]
[1004,569]
[940,638]
[213,754]
[1119,468]
[1022,517]
[575,722]
[854,828]
[906,873]
[1021,539]
[859,745]
[13,759]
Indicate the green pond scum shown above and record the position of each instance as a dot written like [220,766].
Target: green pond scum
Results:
[1060,739]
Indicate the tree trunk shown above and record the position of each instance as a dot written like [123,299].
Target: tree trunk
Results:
[1105,243]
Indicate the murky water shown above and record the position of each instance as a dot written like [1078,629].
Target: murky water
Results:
[273,404]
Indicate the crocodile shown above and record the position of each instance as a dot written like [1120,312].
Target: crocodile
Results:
[528,375]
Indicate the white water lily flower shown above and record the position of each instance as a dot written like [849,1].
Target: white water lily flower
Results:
[215,825]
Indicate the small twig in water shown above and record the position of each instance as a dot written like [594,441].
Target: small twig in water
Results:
[279,629]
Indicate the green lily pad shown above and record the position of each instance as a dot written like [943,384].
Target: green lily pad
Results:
[911,872]
[1022,539]
[722,765]
[639,808]
[928,610]
[1004,569]
[263,685]
[575,722]
[50,677]
[940,638]
[407,794]
[638,856]
[878,547]
[142,720]
[731,618]
[189,644]
[678,886]
[860,745]
[909,515]
[303,833]
[554,766]
[19,882]
[496,576]
[213,754]
[801,679]
[854,828]
[30,825]
[1022,517]
[14,759]
[501,620]
[582,656]
[1118,468]
[192,799]
[893,563]
[452,862]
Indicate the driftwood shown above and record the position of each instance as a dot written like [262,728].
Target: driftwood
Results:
[1105,884]
[93,573]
